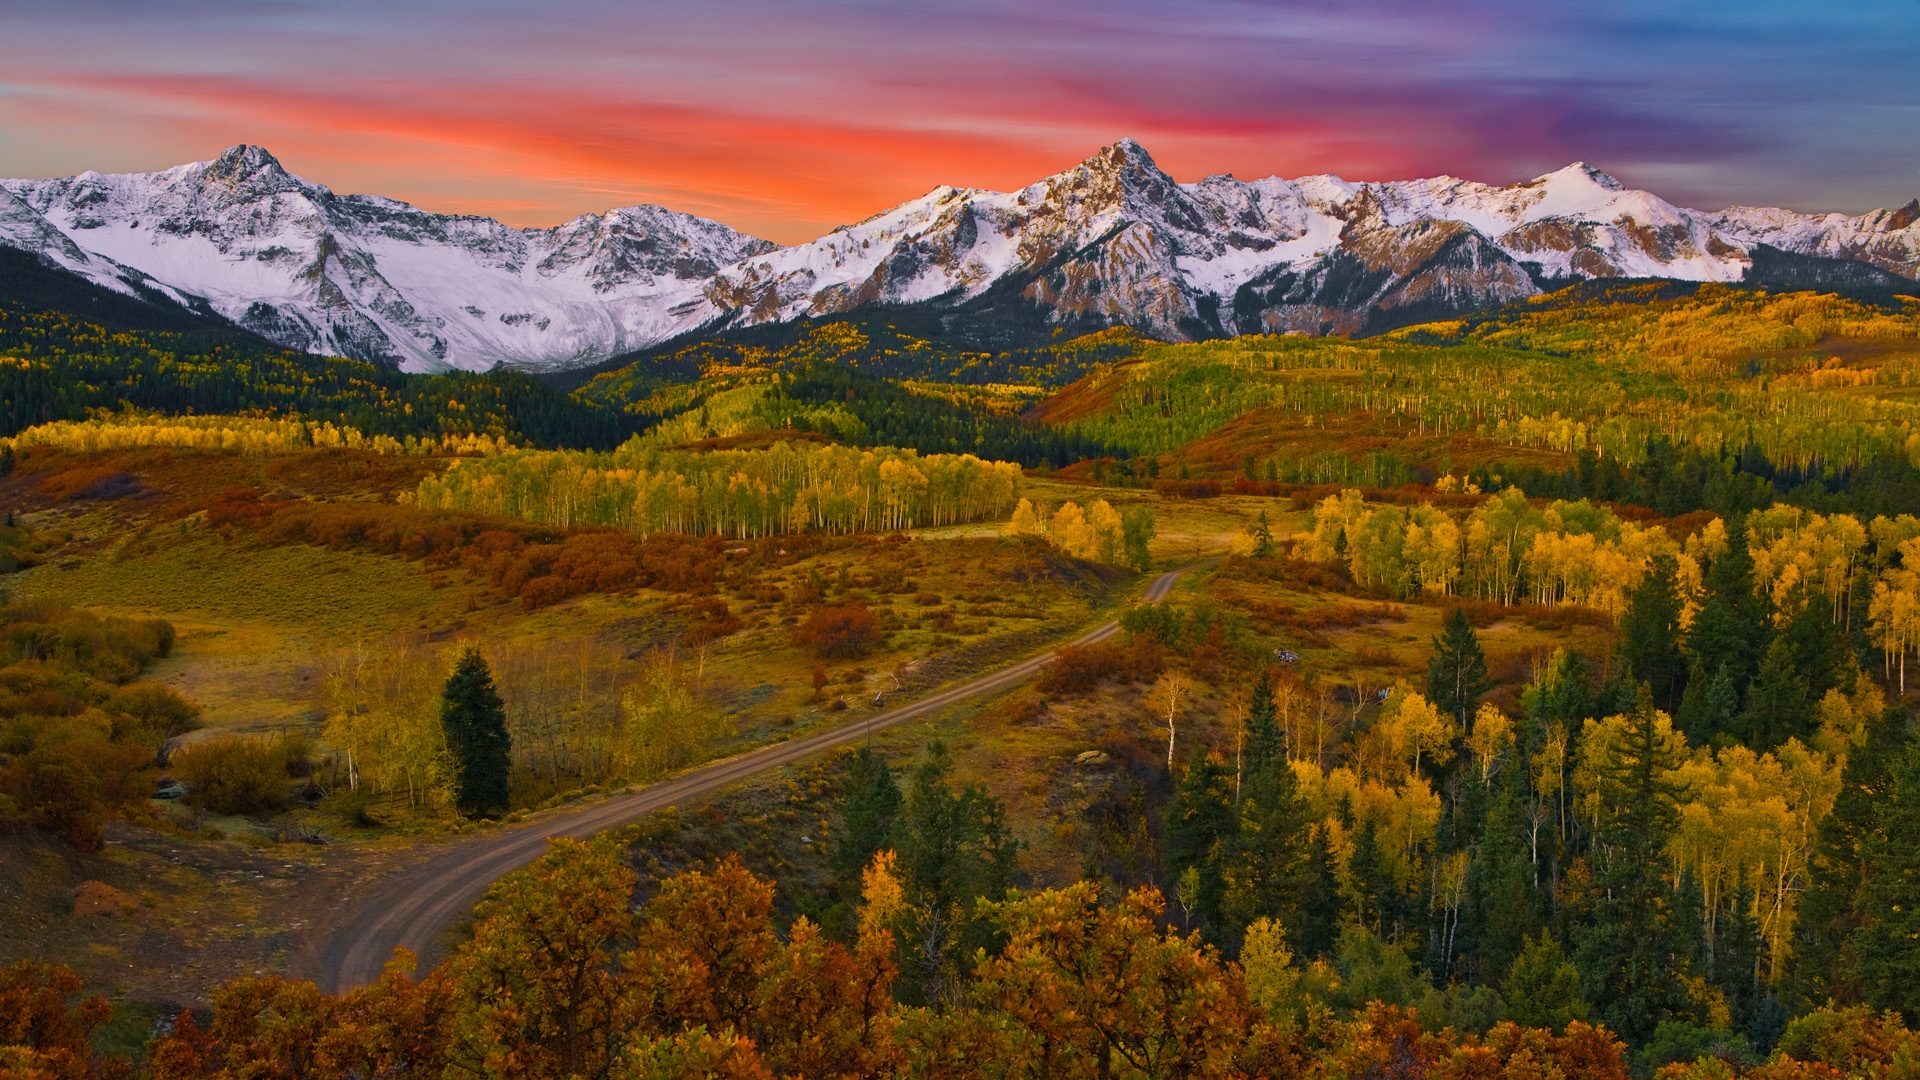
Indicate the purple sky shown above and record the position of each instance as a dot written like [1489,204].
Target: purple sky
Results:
[787,118]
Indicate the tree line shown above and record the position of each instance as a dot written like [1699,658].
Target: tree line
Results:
[564,978]
[54,366]
[785,488]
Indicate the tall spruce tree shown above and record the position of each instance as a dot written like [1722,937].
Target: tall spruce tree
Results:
[1201,830]
[1631,947]
[1778,704]
[955,848]
[1886,944]
[1725,642]
[475,721]
[1821,966]
[1650,633]
[1457,674]
[1268,872]
[1506,904]
[870,806]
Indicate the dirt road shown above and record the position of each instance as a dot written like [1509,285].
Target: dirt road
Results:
[412,906]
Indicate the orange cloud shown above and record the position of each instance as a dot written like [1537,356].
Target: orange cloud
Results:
[534,156]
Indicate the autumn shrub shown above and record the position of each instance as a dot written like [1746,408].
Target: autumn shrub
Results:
[1188,489]
[1076,669]
[710,620]
[839,630]
[45,1025]
[150,713]
[237,775]
[69,781]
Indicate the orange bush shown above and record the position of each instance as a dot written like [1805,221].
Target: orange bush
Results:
[841,630]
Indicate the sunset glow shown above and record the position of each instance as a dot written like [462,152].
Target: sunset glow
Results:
[785,120]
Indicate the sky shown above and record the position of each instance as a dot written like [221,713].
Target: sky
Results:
[785,118]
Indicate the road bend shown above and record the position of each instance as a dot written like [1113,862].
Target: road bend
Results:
[412,907]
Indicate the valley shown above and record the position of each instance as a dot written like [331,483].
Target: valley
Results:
[1348,644]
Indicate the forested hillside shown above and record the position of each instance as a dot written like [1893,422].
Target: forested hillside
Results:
[57,367]
[1533,703]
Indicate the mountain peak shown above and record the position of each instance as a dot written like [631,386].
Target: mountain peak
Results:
[250,164]
[1120,156]
[1582,172]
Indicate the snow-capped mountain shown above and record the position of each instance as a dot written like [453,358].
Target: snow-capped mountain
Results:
[1116,240]
[1113,240]
[369,277]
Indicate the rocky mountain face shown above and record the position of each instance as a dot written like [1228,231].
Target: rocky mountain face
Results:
[372,278]
[1113,240]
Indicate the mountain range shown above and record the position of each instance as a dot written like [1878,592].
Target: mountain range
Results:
[1112,241]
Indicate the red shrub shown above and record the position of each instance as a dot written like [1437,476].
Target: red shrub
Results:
[839,630]
[1188,489]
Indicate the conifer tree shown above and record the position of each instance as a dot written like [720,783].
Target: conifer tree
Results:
[1262,537]
[1650,634]
[1728,633]
[954,849]
[869,809]
[1632,949]
[1269,870]
[1821,965]
[1543,988]
[1201,829]
[1778,708]
[1265,742]
[1506,905]
[1457,674]
[1886,946]
[475,721]
[1318,927]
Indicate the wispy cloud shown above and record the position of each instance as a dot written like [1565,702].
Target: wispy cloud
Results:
[787,118]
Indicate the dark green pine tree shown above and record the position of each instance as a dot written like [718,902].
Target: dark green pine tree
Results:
[1457,674]
[1777,702]
[1728,634]
[870,806]
[1821,965]
[1506,903]
[1631,947]
[954,848]
[1262,538]
[1886,946]
[1201,828]
[1375,900]
[1650,634]
[1820,644]
[1317,929]
[475,721]
[1543,987]
[1268,872]
[1732,963]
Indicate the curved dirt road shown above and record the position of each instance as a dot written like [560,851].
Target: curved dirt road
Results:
[412,906]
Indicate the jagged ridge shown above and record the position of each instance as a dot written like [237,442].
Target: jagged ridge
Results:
[1111,241]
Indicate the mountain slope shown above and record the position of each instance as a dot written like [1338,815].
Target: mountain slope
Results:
[372,278]
[1111,241]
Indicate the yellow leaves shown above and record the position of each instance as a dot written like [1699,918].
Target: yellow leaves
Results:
[1266,963]
[1415,729]
[1025,521]
[881,895]
[742,493]
[1068,530]
[665,722]
[1750,820]
[1091,984]
[1490,739]
[1843,717]
[236,435]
